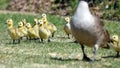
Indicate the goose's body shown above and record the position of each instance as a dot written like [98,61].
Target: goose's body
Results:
[88,30]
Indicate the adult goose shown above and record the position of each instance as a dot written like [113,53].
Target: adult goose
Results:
[88,30]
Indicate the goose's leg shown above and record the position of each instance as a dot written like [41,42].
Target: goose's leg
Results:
[84,55]
[95,51]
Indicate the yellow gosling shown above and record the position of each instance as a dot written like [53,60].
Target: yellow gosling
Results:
[22,29]
[24,24]
[31,33]
[67,27]
[49,25]
[44,33]
[116,44]
[13,32]
[36,27]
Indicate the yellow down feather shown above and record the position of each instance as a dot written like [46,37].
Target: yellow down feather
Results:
[31,32]
[44,33]
[13,32]
[36,27]
[67,27]
[49,25]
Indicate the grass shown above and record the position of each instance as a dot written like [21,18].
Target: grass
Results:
[4,4]
[60,53]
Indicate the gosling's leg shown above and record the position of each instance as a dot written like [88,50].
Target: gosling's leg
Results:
[68,36]
[41,40]
[18,41]
[53,34]
[13,41]
[49,39]
[117,55]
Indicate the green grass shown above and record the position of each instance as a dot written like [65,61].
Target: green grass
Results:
[4,4]
[37,55]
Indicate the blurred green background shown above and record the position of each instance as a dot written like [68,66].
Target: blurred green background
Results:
[106,9]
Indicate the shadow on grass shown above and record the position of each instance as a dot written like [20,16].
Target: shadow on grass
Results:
[111,56]
[74,59]
[60,59]
[74,42]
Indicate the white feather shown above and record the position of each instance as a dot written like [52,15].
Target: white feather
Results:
[83,16]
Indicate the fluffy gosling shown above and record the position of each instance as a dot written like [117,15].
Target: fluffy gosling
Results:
[116,44]
[36,27]
[67,27]
[13,32]
[49,25]
[44,33]
[24,24]
[22,29]
[31,33]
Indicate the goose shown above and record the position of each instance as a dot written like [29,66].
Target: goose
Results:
[88,30]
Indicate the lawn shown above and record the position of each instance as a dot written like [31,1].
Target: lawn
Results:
[59,53]
[4,4]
